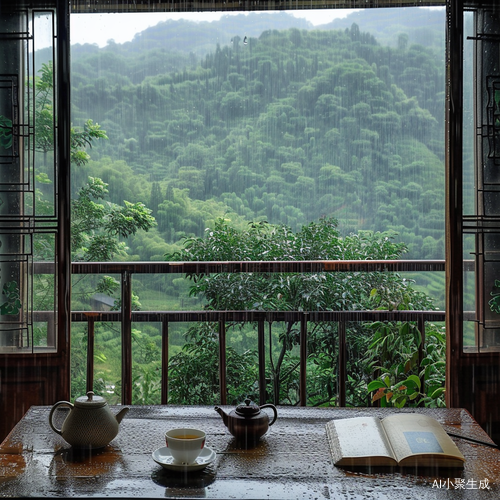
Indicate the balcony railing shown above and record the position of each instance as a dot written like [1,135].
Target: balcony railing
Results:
[127,316]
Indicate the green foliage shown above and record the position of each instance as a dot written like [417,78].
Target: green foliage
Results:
[44,114]
[194,372]
[5,132]
[146,386]
[81,139]
[394,353]
[13,303]
[289,127]
[306,292]
[44,120]
[107,285]
[494,302]
[397,394]
[96,227]
[309,292]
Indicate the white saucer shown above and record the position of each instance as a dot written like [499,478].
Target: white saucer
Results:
[163,457]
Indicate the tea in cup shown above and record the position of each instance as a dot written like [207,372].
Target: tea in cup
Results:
[185,444]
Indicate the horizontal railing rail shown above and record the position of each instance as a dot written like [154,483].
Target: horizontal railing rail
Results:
[127,316]
[305,266]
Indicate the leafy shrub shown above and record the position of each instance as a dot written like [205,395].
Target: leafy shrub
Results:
[387,347]
[403,380]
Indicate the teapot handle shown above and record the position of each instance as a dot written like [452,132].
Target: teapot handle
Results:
[275,411]
[51,414]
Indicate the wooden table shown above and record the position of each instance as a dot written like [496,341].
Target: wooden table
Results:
[291,461]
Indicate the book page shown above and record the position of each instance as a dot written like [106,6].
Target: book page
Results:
[359,441]
[414,435]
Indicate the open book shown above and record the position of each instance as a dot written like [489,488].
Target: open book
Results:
[403,439]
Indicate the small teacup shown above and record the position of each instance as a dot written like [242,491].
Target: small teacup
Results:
[185,444]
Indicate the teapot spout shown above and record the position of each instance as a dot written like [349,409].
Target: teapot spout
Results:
[121,414]
[223,414]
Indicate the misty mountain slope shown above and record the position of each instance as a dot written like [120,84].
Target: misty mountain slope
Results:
[285,126]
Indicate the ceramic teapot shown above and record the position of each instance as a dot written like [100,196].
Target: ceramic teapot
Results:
[90,422]
[247,422]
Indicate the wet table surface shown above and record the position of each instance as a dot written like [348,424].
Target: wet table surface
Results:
[291,461]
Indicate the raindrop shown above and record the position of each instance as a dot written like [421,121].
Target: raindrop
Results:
[245,40]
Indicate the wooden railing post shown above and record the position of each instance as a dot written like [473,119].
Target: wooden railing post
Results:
[262,361]
[90,352]
[164,361]
[421,328]
[126,338]
[342,363]
[222,361]
[303,360]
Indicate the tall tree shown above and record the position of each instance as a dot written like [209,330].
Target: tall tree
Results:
[96,226]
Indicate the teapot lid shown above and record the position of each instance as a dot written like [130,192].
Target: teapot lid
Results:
[90,401]
[248,409]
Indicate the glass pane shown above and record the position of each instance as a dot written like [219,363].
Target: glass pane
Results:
[469,183]
[42,105]
[44,291]
[26,205]
[469,294]
[481,180]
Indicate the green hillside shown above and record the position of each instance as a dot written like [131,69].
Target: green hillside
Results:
[286,126]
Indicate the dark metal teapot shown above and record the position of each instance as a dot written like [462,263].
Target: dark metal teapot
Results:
[247,422]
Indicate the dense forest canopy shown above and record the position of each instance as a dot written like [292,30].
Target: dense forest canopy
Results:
[285,124]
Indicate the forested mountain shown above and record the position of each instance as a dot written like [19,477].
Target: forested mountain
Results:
[285,124]
[422,26]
